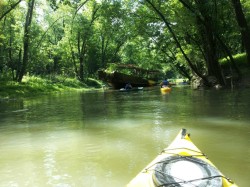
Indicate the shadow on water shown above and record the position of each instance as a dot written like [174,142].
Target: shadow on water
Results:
[106,138]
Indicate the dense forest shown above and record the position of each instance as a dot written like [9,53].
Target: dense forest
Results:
[76,38]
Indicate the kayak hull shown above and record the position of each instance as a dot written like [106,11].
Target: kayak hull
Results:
[184,163]
[166,89]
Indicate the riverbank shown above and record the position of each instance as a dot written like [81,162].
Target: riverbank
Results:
[32,86]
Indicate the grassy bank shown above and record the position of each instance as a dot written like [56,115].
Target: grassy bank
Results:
[241,63]
[32,86]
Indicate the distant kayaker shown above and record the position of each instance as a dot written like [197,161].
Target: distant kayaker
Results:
[128,86]
[164,83]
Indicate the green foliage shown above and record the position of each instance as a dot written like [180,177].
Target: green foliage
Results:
[69,35]
[93,83]
[240,60]
[246,7]
[32,86]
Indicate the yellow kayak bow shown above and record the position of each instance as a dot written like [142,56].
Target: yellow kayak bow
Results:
[166,89]
[181,164]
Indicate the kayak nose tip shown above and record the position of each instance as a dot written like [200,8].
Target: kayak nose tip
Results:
[183,133]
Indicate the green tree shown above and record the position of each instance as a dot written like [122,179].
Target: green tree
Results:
[244,28]
[4,11]
[26,42]
[76,38]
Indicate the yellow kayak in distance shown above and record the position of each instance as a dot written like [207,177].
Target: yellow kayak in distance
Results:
[166,89]
[181,164]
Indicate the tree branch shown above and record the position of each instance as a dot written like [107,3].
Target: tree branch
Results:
[10,9]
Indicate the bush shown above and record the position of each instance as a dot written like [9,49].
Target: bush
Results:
[93,83]
[240,60]
[32,85]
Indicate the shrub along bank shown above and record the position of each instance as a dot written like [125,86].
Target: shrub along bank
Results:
[32,86]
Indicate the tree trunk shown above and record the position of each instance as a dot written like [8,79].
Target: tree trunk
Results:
[244,29]
[206,22]
[104,45]
[26,39]
[210,46]
[81,54]
[81,69]
[232,61]
[82,39]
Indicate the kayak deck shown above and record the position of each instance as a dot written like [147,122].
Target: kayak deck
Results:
[181,164]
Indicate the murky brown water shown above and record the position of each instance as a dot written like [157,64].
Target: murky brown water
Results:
[103,139]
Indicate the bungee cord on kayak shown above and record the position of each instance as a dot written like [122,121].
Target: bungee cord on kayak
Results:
[181,148]
[175,157]
[181,164]
[190,181]
[163,174]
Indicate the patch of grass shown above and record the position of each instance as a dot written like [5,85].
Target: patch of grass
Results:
[32,86]
[178,81]
[240,60]
[93,83]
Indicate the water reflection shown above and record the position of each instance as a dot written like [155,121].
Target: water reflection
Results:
[106,138]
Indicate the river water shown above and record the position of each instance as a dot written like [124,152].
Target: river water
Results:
[104,138]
